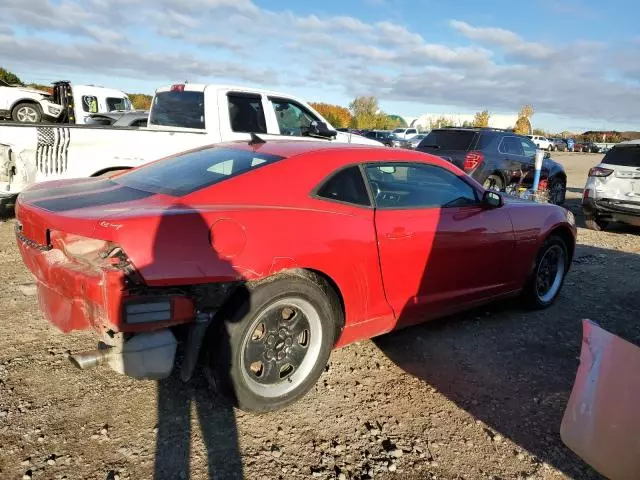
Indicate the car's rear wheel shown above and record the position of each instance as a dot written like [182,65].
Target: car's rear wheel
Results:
[274,343]
[557,191]
[544,284]
[595,223]
[494,182]
[27,113]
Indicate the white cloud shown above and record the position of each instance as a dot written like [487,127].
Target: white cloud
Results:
[237,41]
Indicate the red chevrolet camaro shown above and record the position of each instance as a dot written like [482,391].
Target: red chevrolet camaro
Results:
[262,257]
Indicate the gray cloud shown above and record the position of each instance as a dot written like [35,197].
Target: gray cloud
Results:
[237,41]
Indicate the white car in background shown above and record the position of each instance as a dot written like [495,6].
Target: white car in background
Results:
[543,143]
[612,192]
[405,133]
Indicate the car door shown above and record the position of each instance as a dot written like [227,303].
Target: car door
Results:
[440,250]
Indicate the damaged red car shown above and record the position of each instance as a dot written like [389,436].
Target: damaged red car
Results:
[261,258]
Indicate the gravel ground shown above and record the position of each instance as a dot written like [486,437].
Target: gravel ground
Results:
[480,395]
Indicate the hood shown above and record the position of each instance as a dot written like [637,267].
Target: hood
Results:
[33,90]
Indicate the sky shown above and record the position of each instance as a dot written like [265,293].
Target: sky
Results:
[575,61]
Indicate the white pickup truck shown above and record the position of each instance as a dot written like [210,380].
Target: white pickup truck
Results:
[68,103]
[182,117]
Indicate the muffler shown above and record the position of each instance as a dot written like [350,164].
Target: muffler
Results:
[90,359]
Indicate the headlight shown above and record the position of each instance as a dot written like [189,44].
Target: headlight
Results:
[53,110]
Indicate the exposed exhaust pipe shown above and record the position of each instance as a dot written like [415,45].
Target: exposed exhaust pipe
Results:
[90,359]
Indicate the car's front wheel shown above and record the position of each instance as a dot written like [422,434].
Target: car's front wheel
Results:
[544,284]
[27,113]
[274,343]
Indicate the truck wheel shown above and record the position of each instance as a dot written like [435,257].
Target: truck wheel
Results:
[273,343]
[594,223]
[544,284]
[27,113]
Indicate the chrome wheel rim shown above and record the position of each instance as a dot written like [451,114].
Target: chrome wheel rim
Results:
[27,114]
[281,347]
[550,273]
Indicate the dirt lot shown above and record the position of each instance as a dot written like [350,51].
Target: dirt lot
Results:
[476,396]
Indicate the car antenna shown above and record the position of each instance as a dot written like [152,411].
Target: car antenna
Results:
[255,139]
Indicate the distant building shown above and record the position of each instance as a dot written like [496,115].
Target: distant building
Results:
[424,121]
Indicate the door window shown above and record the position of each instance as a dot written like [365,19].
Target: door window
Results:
[90,104]
[346,185]
[529,148]
[293,119]
[402,185]
[246,113]
[511,146]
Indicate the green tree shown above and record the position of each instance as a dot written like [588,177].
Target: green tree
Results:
[10,77]
[523,124]
[539,131]
[481,119]
[337,116]
[441,122]
[365,112]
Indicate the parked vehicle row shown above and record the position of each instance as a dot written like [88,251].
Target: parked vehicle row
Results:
[219,248]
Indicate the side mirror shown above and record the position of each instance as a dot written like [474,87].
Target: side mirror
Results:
[491,199]
[547,155]
[320,129]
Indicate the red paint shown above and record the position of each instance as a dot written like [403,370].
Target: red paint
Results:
[392,267]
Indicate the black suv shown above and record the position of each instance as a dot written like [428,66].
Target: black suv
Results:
[498,159]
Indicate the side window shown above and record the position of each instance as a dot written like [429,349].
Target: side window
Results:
[412,132]
[398,185]
[528,147]
[246,114]
[114,103]
[90,104]
[346,186]
[293,119]
[511,146]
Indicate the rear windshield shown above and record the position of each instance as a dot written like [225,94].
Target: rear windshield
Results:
[624,156]
[178,109]
[188,172]
[448,140]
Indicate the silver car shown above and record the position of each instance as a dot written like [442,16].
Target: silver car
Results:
[612,192]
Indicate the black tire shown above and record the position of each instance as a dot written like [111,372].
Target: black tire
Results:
[27,113]
[530,293]
[594,223]
[557,191]
[226,369]
[494,182]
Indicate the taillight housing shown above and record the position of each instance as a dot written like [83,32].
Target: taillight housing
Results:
[600,172]
[472,160]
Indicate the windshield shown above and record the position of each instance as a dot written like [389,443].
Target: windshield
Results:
[448,139]
[178,109]
[118,103]
[185,173]
[624,156]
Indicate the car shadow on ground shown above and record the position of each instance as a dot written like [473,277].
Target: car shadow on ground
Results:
[513,369]
[212,434]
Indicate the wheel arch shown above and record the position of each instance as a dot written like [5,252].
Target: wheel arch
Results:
[24,100]
[567,237]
